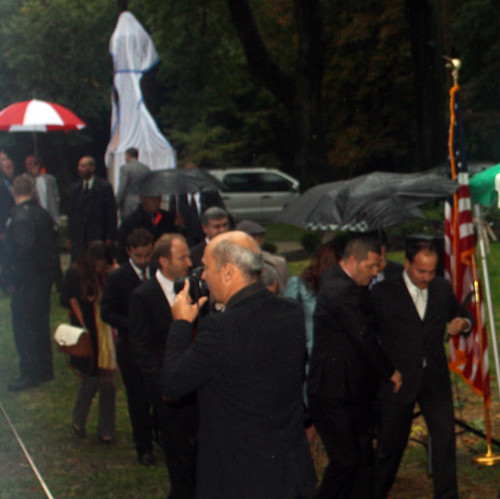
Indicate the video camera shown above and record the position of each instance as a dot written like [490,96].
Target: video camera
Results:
[197,286]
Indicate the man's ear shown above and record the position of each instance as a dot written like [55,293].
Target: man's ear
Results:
[227,271]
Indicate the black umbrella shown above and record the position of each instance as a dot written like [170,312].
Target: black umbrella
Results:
[365,203]
[177,181]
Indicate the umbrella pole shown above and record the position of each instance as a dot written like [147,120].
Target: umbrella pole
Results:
[487,292]
[36,148]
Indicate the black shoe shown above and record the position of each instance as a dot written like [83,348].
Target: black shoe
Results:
[147,459]
[79,431]
[23,384]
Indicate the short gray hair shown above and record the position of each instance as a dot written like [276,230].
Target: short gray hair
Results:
[213,213]
[249,262]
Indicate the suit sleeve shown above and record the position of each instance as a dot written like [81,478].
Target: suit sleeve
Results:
[357,322]
[122,186]
[141,338]
[111,304]
[457,310]
[57,202]
[186,365]
[111,216]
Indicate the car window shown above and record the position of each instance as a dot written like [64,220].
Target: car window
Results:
[240,182]
[270,182]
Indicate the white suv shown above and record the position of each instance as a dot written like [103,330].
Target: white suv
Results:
[255,193]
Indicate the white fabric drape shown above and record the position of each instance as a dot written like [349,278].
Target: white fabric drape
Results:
[132,125]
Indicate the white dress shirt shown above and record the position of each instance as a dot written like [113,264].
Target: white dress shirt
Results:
[167,286]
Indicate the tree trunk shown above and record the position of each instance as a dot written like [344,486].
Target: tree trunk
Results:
[425,22]
[301,94]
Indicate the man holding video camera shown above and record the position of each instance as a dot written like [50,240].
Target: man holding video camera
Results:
[149,320]
[246,365]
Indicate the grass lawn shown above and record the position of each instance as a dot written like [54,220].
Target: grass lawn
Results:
[87,469]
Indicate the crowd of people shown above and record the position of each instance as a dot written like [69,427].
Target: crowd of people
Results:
[232,384]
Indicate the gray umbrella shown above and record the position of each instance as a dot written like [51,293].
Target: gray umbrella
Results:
[177,181]
[365,203]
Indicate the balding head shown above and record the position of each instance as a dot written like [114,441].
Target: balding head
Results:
[232,260]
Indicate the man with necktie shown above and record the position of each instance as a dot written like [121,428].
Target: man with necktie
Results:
[115,311]
[150,317]
[413,313]
[92,210]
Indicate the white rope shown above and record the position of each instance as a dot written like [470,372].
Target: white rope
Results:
[26,453]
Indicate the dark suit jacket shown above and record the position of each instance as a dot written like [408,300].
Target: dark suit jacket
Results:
[139,219]
[6,201]
[149,321]
[192,226]
[346,360]
[196,254]
[393,269]
[115,298]
[92,215]
[247,367]
[407,340]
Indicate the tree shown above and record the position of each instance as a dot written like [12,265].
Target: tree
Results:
[300,93]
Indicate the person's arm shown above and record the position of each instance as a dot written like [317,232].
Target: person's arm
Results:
[141,336]
[460,318]
[57,202]
[111,304]
[187,365]
[110,215]
[123,180]
[346,306]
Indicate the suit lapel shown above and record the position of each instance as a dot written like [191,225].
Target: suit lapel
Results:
[407,302]
[161,299]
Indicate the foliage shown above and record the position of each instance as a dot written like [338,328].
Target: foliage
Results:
[476,40]
[368,89]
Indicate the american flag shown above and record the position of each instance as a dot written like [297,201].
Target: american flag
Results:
[465,352]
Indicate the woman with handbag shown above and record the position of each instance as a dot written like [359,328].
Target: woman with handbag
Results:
[81,293]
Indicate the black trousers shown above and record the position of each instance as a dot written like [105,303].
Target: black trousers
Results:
[139,408]
[30,308]
[178,422]
[392,437]
[347,432]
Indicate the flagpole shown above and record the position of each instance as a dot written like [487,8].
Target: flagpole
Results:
[466,256]
[487,288]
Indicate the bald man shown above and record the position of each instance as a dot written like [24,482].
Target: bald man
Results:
[246,365]
[92,210]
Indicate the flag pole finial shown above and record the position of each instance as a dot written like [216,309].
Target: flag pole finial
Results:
[454,65]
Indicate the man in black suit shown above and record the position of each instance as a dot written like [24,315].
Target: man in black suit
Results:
[387,268]
[149,216]
[246,365]
[345,366]
[414,311]
[92,210]
[213,221]
[31,266]
[114,310]
[6,198]
[191,207]
[149,321]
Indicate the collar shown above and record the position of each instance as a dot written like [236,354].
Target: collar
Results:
[245,292]
[90,182]
[413,290]
[139,271]
[164,281]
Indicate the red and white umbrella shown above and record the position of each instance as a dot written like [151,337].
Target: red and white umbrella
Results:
[38,116]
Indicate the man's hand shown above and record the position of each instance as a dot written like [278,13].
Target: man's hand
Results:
[397,381]
[183,309]
[457,325]
[68,244]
